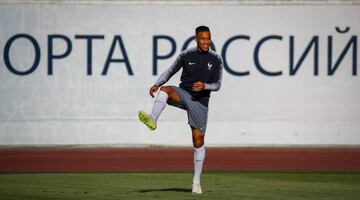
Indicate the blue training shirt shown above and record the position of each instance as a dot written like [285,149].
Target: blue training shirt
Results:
[197,66]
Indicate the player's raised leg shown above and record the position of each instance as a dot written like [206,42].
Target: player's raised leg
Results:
[199,157]
[166,95]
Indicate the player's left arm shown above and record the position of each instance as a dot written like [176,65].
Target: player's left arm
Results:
[215,86]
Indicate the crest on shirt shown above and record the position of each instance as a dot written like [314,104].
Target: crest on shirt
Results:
[209,65]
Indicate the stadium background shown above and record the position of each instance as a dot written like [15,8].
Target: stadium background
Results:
[73,107]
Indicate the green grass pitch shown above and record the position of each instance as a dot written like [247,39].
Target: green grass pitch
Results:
[123,186]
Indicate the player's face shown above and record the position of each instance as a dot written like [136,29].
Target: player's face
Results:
[203,40]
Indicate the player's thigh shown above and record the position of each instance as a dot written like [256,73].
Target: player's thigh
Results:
[174,98]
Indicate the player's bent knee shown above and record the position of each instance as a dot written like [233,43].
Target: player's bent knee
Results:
[166,89]
[170,91]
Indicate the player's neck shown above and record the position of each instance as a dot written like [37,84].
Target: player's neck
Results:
[202,52]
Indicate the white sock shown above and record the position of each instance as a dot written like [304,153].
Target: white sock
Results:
[199,157]
[159,105]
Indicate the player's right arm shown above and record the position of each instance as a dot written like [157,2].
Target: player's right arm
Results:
[164,77]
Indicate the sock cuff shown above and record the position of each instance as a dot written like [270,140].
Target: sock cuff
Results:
[162,96]
[200,149]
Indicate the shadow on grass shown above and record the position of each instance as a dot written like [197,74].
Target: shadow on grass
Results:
[166,190]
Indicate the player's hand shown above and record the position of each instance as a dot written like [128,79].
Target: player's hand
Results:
[153,89]
[198,86]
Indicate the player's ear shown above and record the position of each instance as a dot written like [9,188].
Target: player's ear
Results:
[196,38]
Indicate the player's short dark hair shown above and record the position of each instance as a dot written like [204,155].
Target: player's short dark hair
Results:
[202,29]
